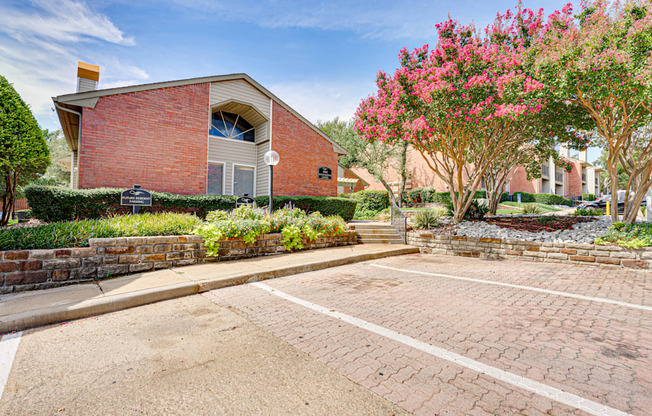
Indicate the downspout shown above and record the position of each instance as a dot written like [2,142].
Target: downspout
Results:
[78,140]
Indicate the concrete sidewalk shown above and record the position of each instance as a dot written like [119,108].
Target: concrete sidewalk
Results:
[30,309]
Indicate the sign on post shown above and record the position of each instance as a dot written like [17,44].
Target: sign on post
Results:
[245,200]
[136,198]
[325,172]
[518,198]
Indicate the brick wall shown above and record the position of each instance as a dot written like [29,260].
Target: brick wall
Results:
[520,183]
[573,180]
[494,248]
[155,138]
[303,151]
[108,257]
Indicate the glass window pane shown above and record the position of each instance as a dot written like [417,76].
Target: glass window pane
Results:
[215,179]
[232,126]
[243,181]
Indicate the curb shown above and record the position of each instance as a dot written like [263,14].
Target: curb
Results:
[85,309]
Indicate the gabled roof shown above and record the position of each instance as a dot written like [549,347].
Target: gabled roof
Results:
[70,122]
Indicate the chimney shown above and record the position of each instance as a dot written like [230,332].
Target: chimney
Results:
[87,77]
[582,156]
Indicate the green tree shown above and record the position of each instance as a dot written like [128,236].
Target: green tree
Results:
[24,154]
[599,62]
[377,158]
[59,149]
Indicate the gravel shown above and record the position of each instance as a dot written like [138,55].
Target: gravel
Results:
[584,232]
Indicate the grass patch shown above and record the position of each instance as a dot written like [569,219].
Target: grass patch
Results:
[508,211]
[544,208]
[77,233]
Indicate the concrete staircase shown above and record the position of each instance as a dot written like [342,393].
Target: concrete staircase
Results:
[376,233]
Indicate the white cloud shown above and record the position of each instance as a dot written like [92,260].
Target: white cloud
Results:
[62,21]
[40,45]
[320,101]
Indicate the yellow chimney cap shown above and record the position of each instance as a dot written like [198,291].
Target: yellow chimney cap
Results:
[88,71]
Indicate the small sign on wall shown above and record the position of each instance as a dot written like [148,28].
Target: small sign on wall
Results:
[325,172]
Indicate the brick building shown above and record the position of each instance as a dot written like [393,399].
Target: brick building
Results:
[194,136]
[584,178]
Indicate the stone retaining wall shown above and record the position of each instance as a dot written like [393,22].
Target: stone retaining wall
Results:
[108,257]
[494,248]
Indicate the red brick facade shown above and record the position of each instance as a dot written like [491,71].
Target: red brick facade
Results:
[302,151]
[520,183]
[155,138]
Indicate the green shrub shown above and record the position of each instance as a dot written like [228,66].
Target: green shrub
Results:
[588,197]
[371,200]
[628,235]
[476,211]
[426,219]
[525,197]
[293,223]
[551,199]
[49,203]
[531,209]
[246,212]
[587,212]
[77,233]
[326,205]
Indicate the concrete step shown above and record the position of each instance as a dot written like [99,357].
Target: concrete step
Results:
[393,240]
[370,225]
[376,231]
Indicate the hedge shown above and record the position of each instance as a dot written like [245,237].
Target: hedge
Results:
[525,197]
[326,205]
[53,203]
[552,199]
[371,200]
[430,195]
[588,197]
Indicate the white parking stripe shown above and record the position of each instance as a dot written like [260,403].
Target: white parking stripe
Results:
[541,389]
[8,347]
[533,289]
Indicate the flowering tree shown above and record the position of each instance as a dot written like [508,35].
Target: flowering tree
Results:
[462,105]
[600,61]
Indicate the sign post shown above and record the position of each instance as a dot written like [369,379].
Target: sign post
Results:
[136,198]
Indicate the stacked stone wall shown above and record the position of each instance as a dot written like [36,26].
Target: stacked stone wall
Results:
[494,248]
[109,257]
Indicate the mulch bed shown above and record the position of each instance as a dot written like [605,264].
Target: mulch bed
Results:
[537,224]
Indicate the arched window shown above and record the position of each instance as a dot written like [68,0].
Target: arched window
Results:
[232,126]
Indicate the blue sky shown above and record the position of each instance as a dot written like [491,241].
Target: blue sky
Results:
[321,57]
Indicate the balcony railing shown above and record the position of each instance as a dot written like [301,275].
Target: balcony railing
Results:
[545,170]
[559,177]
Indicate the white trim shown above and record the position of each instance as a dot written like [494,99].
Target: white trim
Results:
[217,162]
[233,165]
[515,380]
[271,117]
[210,136]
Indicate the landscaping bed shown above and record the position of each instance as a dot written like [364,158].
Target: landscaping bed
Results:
[536,224]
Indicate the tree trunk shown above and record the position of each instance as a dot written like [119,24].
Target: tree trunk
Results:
[7,199]
[613,174]
[402,170]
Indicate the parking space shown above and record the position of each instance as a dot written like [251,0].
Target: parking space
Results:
[547,339]
[430,335]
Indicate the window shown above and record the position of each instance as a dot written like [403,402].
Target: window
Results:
[232,126]
[215,179]
[243,180]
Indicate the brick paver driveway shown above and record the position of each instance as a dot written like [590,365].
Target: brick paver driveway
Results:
[449,335]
